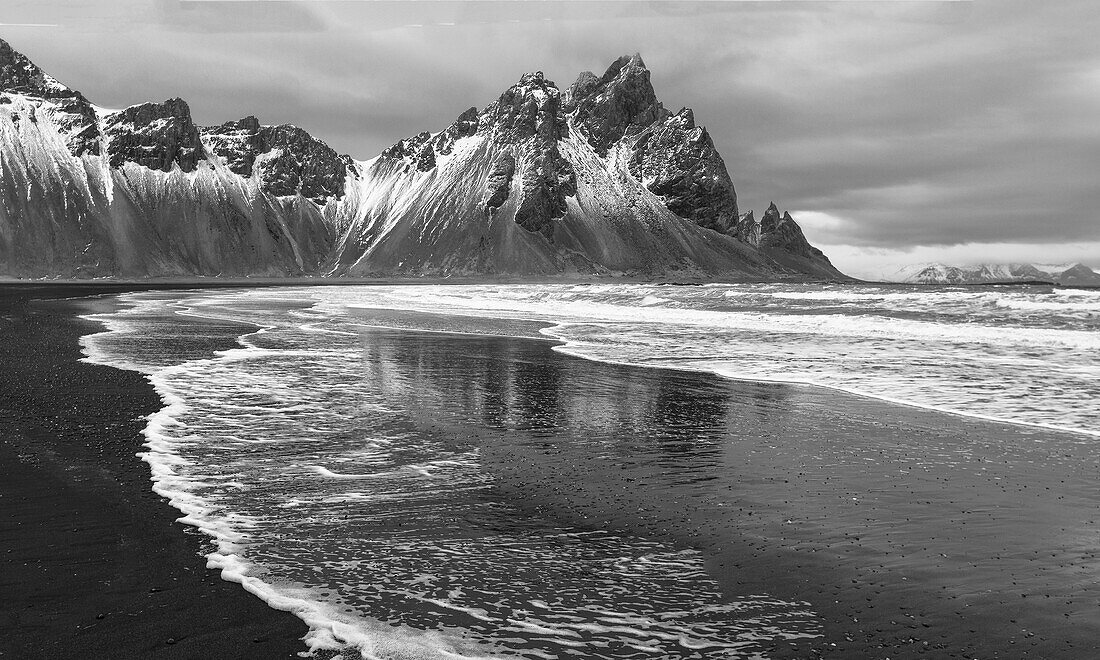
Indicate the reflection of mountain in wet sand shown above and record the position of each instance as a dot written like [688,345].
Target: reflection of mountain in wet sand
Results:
[922,532]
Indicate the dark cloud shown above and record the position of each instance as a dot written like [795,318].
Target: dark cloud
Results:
[892,124]
[234,16]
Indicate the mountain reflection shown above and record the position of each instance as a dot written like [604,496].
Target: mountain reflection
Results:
[518,386]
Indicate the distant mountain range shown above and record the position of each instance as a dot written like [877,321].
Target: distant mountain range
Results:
[997,273]
[598,179]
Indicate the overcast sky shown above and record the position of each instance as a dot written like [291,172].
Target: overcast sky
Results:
[895,133]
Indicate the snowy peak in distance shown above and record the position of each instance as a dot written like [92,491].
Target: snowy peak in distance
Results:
[598,180]
[937,273]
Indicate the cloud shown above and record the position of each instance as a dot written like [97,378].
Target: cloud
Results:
[890,125]
[884,263]
[235,17]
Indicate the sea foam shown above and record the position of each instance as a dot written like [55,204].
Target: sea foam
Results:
[292,448]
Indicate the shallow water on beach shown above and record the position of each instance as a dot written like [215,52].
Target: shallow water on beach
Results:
[397,489]
[1023,354]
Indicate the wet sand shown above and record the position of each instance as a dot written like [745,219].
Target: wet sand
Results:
[92,562]
[911,533]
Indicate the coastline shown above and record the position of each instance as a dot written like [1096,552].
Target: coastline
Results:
[878,591]
[911,532]
[988,558]
[91,559]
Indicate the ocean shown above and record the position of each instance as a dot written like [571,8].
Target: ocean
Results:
[412,471]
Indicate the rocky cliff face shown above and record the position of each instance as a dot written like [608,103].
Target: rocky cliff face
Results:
[600,179]
[619,104]
[71,112]
[158,136]
[133,193]
[779,237]
[287,160]
[527,121]
[674,159]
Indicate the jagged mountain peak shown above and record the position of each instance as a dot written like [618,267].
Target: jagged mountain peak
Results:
[20,75]
[465,126]
[779,236]
[771,219]
[600,178]
[632,64]
[606,147]
[290,160]
[146,111]
[686,118]
[622,102]
[155,135]
[534,79]
[587,82]
[248,123]
[581,88]
[531,107]
[70,111]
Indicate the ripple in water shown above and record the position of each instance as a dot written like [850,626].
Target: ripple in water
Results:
[339,472]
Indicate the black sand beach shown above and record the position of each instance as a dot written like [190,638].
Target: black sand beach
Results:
[910,533]
[92,562]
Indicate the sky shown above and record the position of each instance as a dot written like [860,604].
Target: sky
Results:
[895,132]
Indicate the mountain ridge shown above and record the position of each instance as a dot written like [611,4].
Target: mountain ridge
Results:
[995,273]
[599,179]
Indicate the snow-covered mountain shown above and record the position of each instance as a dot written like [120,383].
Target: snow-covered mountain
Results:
[598,179]
[997,273]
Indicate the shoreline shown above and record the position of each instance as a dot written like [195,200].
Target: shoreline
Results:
[901,558]
[563,344]
[90,557]
[874,599]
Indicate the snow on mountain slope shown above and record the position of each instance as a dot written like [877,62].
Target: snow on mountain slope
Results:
[996,273]
[68,215]
[601,179]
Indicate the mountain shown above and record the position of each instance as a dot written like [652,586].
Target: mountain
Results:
[598,179]
[997,274]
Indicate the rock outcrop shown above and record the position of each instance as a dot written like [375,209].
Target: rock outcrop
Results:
[748,229]
[154,135]
[72,113]
[779,237]
[527,121]
[288,160]
[417,151]
[783,233]
[465,126]
[676,160]
[619,104]
[499,185]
